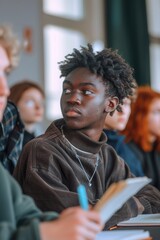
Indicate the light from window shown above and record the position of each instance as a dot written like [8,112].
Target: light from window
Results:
[155,60]
[153,17]
[72,9]
[154,30]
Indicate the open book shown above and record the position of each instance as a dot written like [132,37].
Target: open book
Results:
[142,220]
[117,194]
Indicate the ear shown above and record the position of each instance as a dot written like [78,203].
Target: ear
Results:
[111,104]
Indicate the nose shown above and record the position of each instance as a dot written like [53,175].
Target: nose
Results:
[39,105]
[4,88]
[74,98]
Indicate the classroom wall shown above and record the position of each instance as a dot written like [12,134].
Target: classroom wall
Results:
[21,14]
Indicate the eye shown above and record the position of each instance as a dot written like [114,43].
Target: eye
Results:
[87,92]
[156,112]
[66,90]
[29,103]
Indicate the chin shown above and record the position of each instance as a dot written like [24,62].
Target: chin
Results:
[38,119]
[120,127]
[72,124]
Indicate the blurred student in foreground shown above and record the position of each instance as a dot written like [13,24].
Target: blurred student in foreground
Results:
[20,219]
[143,132]
[11,126]
[113,125]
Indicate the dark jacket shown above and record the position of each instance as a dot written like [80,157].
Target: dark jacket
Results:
[150,162]
[117,141]
[19,217]
[27,137]
[50,172]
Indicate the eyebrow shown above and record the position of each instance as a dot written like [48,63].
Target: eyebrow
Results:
[81,84]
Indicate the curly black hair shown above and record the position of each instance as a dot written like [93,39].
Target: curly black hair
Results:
[116,74]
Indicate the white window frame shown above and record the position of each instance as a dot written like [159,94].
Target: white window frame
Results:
[153,15]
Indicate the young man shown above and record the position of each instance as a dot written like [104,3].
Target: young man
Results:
[113,125]
[19,217]
[73,150]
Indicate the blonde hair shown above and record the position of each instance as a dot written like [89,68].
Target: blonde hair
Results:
[9,41]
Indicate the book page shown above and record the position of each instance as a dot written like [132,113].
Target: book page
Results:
[123,235]
[117,194]
[142,220]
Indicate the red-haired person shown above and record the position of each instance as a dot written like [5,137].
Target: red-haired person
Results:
[143,132]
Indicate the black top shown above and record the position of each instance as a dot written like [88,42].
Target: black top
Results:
[117,141]
[150,162]
[27,137]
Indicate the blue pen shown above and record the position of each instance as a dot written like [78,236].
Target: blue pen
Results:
[83,200]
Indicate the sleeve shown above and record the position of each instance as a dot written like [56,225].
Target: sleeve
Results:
[42,176]
[146,201]
[19,218]
[25,232]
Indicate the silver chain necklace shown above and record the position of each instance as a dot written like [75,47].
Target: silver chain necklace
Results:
[77,157]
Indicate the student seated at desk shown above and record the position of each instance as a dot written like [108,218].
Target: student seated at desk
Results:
[73,150]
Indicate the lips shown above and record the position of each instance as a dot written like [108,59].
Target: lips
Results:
[72,112]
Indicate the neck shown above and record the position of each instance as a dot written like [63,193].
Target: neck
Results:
[30,127]
[82,141]
[92,134]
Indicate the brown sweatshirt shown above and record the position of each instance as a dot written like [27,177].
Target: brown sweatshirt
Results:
[49,171]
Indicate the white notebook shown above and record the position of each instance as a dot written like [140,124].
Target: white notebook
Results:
[117,194]
[123,235]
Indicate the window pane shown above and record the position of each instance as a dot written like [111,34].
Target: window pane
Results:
[72,9]
[153,17]
[155,69]
[58,42]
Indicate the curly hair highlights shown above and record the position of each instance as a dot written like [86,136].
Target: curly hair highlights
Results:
[117,75]
[9,41]
[137,128]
